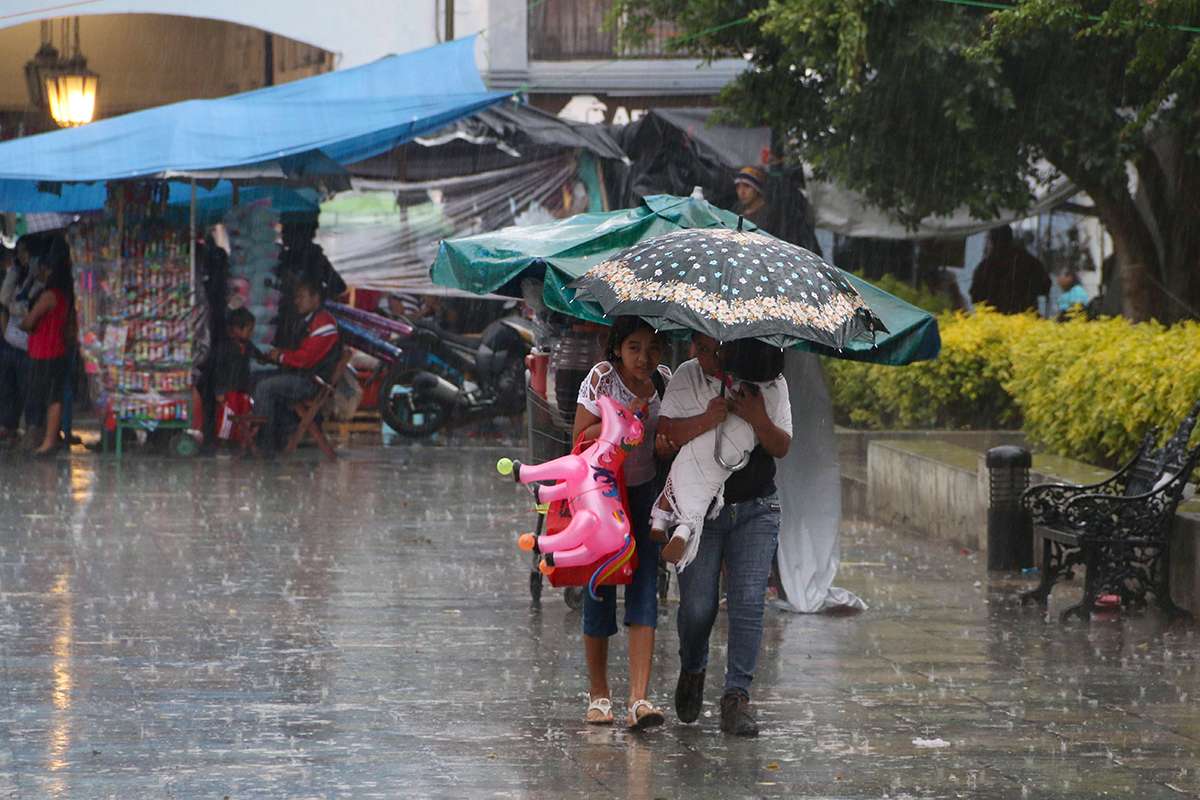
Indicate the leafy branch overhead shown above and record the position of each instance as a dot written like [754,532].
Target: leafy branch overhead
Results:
[927,106]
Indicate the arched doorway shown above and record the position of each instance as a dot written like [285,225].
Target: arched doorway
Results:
[147,60]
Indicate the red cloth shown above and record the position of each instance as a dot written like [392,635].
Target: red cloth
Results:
[236,404]
[49,336]
[557,518]
[321,334]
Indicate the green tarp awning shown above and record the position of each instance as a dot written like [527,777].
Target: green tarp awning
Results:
[561,251]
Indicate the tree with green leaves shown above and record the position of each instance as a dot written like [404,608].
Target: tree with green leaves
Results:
[925,106]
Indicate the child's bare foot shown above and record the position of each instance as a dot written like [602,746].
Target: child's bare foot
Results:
[659,535]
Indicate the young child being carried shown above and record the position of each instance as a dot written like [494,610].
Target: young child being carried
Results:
[694,486]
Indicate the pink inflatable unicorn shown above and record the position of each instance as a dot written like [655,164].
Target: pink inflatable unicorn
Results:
[588,482]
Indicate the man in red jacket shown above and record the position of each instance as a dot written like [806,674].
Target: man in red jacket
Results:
[316,355]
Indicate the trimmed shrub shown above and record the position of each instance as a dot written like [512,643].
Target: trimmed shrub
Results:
[1084,389]
[962,388]
[1091,390]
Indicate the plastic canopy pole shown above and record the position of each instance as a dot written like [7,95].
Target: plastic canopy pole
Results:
[192,422]
[192,242]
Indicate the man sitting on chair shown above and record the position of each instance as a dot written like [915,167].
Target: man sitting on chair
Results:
[315,356]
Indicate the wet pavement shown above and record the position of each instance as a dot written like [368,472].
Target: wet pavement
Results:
[211,629]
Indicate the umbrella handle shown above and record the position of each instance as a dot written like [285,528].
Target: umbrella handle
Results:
[742,462]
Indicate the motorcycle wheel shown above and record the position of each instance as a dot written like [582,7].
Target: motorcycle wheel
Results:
[407,412]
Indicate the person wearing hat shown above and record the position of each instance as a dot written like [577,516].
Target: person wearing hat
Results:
[751,187]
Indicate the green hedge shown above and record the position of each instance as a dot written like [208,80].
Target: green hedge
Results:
[1084,389]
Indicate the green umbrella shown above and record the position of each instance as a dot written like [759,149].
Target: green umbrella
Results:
[559,252]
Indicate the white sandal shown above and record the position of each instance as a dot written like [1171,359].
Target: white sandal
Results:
[602,705]
[651,719]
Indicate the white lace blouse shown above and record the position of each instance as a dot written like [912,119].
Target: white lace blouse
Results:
[604,380]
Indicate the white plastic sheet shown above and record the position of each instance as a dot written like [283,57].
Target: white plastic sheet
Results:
[386,234]
[810,491]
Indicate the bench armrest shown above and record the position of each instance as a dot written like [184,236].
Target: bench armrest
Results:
[1138,518]
[1047,502]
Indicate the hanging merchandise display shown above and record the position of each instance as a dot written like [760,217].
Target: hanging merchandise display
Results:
[134,284]
[254,255]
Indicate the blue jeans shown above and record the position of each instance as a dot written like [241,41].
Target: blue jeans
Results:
[274,397]
[744,538]
[641,594]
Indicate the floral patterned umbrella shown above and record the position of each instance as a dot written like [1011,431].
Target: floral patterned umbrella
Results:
[731,284]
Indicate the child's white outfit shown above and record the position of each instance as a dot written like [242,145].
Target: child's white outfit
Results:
[694,487]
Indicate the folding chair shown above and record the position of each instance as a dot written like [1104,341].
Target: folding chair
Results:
[248,426]
[307,410]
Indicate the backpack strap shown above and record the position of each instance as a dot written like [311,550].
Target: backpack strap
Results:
[660,383]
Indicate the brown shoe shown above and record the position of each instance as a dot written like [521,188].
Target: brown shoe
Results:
[736,716]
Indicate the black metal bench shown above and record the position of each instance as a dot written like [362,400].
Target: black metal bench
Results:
[1118,530]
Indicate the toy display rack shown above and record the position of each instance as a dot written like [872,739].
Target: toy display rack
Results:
[136,312]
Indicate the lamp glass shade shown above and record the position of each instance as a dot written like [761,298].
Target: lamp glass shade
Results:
[71,96]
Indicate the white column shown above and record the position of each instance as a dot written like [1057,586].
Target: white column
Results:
[506,44]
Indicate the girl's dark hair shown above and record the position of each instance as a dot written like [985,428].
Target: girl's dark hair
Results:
[622,329]
[32,243]
[752,360]
[58,258]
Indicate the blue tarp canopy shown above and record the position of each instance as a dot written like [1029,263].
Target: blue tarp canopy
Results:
[278,131]
[211,201]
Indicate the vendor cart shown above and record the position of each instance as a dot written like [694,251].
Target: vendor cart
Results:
[549,438]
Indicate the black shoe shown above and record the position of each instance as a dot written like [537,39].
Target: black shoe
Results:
[736,716]
[689,695]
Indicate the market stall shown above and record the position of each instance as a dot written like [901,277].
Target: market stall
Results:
[135,290]
[136,257]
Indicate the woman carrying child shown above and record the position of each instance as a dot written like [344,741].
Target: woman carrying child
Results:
[744,535]
[631,375]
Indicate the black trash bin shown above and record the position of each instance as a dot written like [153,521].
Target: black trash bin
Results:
[1009,529]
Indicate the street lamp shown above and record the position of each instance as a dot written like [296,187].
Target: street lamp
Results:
[71,93]
[63,86]
[44,61]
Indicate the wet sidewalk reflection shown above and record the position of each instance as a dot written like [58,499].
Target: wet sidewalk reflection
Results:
[364,629]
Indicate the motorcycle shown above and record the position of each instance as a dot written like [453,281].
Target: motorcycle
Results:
[451,378]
